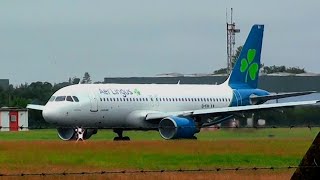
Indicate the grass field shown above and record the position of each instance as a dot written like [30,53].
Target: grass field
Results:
[42,151]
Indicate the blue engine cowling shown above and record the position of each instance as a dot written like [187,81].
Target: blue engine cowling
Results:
[177,127]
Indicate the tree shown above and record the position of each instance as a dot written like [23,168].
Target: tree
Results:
[74,80]
[221,71]
[281,69]
[86,78]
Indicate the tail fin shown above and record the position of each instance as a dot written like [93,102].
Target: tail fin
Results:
[245,73]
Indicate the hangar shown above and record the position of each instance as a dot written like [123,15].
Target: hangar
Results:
[12,119]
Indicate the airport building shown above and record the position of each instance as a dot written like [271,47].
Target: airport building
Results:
[4,84]
[12,119]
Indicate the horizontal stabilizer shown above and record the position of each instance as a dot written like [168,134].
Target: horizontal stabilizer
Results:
[35,107]
[262,99]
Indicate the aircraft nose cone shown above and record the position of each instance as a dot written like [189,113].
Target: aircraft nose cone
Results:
[49,115]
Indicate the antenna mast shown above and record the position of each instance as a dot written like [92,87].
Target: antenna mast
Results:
[231,40]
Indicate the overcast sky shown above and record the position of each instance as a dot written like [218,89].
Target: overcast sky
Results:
[54,40]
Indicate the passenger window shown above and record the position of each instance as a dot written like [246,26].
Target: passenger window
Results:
[60,98]
[69,98]
[52,98]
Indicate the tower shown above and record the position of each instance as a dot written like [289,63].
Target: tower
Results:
[231,32]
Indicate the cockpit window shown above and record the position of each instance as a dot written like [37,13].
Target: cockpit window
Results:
[69,98]
[60,98]
[52,98]
[75,98]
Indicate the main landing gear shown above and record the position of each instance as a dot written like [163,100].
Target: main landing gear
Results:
[120,137]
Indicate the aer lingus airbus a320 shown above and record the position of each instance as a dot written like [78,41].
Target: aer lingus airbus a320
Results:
[175,110]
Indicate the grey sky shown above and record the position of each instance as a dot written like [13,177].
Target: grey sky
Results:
[54,40]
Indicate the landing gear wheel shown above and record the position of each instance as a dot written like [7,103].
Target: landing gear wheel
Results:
[126,138]
[120,137]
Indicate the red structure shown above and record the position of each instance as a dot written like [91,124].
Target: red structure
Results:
[11,119]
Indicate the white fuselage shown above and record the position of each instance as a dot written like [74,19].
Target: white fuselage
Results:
[125,105]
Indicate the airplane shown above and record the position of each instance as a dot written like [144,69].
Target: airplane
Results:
[177,111]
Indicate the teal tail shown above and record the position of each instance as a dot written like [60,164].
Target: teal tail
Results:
[245,73]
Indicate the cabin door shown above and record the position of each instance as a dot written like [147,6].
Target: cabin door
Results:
[93,102]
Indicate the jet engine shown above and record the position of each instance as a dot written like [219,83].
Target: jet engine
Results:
[177,127]
[67,134]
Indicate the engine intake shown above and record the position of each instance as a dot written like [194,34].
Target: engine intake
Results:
[177,127]
[66,134]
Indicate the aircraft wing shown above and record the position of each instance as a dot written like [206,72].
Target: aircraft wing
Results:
[262,99]
[35,107]
[153,116]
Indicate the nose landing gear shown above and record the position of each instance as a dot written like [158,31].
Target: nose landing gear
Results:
[80,133]
[120,137]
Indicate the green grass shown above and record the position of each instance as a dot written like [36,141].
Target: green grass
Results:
[224,134]
[36,150]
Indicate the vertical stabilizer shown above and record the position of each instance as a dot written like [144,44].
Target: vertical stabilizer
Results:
[245,73]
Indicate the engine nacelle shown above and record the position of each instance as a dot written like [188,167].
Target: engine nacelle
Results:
[177,127]
[67,134]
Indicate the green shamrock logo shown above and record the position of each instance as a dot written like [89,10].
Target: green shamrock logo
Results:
[137,92]
[248,66]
